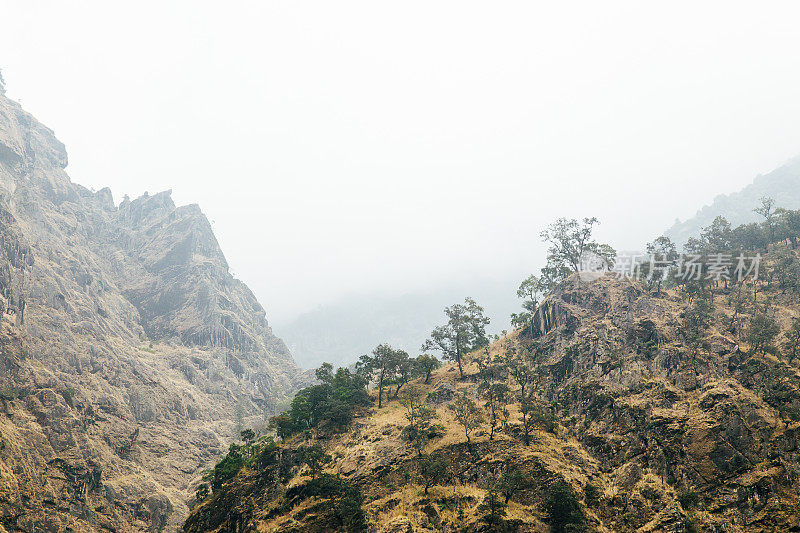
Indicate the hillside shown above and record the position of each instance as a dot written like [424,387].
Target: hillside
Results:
[128,349]
[635,426]
[781,184]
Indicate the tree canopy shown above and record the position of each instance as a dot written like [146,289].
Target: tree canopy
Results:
[465,331]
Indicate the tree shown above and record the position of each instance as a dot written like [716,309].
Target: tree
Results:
[345,499]
[750,237]
[331,402]
[767,210]
[202,492]
[785,270]
[494,507]
[404,367]
[563,508]
[268,453]
[761,332]
[496,396]
[788,225]
[512,481]
[492,388]
[533,415]
[383,364]
[792,343]
[464,332]
[519,367]
[530,291]
[467,414]
[420,416]
[522,320]
[227,468]
[663,253]
[591,493]
[570,244]
[425,365]
[696,322]
[716,238]
[349,508]
[315,457]
[325,373]
[432,468]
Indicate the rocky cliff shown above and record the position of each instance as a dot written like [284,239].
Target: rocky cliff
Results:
[651,433]
[130,354]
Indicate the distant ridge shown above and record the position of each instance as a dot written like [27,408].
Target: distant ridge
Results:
[782,184]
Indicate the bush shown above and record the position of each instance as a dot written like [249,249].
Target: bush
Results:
[333,401]
[227,468]
[494,508]
[314,456]
[345,498]
[688,499]
[592,494]
[564,509]
[201,493]
[761,332]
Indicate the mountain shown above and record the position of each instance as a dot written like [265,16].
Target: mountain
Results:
[130,354]
[637,426]
[782,185]
[341,331]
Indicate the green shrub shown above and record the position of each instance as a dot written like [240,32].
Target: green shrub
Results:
[345,498]
[688,499]
[494,508]
[332,402]
[202,492]
[227,468]
[563,509]
[592,494]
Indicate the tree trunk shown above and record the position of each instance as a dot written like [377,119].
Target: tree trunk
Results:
[380,391]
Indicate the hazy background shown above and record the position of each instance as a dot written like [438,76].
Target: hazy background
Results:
[393,148]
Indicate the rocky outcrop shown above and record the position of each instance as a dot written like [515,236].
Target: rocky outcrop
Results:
[129,351]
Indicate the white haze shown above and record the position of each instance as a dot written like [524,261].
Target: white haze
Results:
[375,146]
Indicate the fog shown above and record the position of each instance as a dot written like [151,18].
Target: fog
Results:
[344,147]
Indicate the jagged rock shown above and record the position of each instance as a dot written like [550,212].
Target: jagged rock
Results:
[127,347]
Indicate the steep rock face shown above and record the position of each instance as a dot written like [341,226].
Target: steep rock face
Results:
[129,351]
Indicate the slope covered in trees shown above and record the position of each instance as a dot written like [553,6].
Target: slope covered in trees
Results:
[653,404]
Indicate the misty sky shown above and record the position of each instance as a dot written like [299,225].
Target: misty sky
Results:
[359,146]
